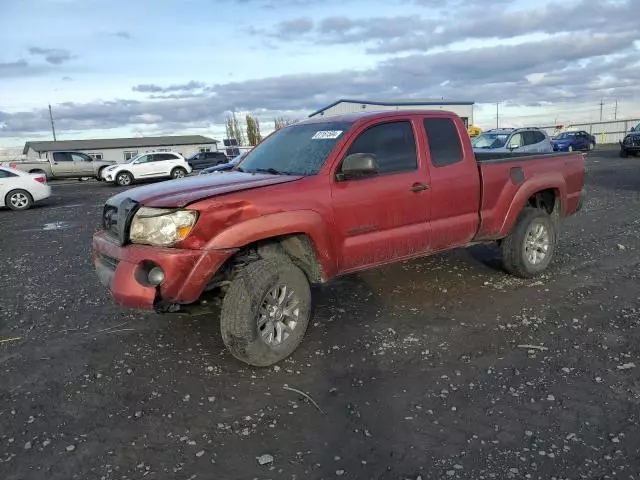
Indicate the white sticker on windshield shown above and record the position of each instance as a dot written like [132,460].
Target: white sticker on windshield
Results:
[326,134]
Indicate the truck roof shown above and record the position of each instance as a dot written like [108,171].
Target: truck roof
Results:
[355,116]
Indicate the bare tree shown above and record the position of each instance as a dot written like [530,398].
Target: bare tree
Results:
[280,122]
[233,128]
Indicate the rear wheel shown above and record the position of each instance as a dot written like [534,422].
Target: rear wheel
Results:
[124,179]
[265,312]
[18,200]
[529,248]
[591,146]
[178,172]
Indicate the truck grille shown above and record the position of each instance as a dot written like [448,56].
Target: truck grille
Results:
[116,219]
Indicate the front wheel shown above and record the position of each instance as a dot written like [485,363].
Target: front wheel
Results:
[624,153]
[178,172]
[124,179]
[18,200]
[265,312]
[570,148]
[530,246]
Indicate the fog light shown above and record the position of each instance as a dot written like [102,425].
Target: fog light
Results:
[155,276]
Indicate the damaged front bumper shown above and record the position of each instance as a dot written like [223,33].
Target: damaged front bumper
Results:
[127,272]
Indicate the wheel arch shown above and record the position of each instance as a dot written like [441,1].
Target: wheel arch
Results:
[547,197]
[301,235]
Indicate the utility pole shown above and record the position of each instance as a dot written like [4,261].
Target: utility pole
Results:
[615,111]
[53,127]
[497,115]
[601,105]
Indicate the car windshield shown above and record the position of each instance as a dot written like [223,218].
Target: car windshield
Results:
[133,159]
[490,140]
[295,150]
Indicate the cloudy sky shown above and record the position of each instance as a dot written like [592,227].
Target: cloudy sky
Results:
[131,67]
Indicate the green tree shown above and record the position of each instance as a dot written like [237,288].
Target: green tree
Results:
[253,130]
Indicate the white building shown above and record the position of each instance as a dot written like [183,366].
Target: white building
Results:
[121,149]
[462,109]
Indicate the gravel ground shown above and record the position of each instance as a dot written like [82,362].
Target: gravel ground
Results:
[443,367]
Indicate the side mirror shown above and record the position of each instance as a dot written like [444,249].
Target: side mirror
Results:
[357,165]
[514,147]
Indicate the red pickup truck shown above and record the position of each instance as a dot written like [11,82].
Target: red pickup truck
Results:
[322,198]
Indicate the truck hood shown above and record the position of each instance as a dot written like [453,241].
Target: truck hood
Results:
[181,192]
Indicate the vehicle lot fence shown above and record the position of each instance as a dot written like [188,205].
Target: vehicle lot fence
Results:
[605,132]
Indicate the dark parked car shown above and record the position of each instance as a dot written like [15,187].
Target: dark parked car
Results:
[225,166]
[201,160]
[570,141]
[631,143]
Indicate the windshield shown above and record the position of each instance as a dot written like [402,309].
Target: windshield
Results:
[490,140]
[295,150]
[133,159]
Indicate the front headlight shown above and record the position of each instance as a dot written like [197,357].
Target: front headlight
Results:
[161,227]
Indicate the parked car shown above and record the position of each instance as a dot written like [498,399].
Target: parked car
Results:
[20,190]
[225,167]
[570,141]
[525,140]
[64,165]
[630,145]
[147,165]
[321,198]
[201,160]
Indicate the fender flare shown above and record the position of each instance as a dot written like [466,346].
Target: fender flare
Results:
[306,222]
[552,181]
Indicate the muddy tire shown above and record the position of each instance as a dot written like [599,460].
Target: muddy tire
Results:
[124,179]
[18,200]
[265,312]
[529,248]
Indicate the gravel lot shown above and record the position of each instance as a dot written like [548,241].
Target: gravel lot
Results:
[438,368]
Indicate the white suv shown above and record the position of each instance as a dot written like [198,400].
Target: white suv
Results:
[147,165]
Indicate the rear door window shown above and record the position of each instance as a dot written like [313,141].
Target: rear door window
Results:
[444,142]
[62,157]
[5,174]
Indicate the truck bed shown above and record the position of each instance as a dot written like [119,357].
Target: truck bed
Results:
[510,179]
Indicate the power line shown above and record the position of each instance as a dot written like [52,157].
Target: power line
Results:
[53,127]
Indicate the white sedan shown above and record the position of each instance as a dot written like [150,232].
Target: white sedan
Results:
[147,165]
[20,190]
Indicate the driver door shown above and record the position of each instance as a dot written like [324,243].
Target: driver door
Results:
[144,166]
[516,142]
[383,217]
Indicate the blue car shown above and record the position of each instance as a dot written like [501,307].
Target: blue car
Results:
[224,166]
[570,141]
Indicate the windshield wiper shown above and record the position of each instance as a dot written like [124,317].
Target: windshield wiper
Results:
[272,171]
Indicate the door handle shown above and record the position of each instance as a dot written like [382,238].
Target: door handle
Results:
[418,187]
